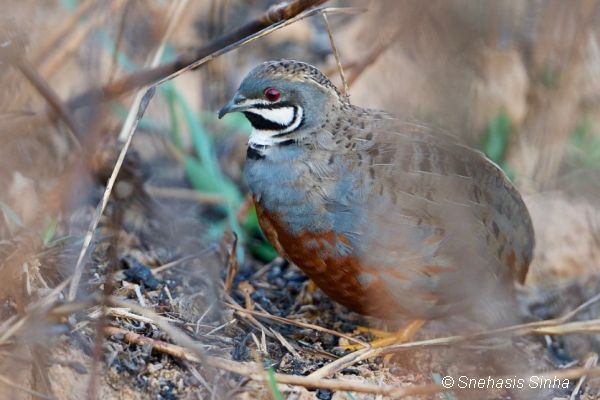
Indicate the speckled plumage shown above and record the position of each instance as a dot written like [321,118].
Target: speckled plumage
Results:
[388,217]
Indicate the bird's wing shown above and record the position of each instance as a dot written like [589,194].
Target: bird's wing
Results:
[440,214]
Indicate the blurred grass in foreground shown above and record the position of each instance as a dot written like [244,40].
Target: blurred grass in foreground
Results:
[496,140]
[585,145]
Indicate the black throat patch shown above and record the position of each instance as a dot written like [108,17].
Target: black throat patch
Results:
[254,153]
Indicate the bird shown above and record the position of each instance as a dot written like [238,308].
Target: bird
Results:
[389,217]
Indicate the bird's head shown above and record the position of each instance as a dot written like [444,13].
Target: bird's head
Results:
[282,99]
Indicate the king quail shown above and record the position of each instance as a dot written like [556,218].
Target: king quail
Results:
[388,217]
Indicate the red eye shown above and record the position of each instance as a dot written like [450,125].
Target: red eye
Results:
[272,94]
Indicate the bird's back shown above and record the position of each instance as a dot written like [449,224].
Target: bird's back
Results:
[451,228]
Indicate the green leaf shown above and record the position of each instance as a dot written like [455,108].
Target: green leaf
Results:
[251,222]
[201,140]
[237,121]
[497,136]
[10,214]
[49,231]
[175,130]
[203,180]
[70,5]
[262,250]
[507,170]
[205,168]
[550,76]
[259,248]
[586,144]
[277,395]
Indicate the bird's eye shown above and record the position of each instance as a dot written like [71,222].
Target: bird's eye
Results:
[272,94]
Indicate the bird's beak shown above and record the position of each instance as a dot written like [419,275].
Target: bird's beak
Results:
[238,103]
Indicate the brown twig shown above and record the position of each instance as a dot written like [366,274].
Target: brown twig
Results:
[12,52]
[51,97]
[163,347]
[274,15]
[275,18]
[232,264]
[253,372]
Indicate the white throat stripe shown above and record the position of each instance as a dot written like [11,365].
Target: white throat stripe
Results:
[295,123]
[282,116]
[269,137]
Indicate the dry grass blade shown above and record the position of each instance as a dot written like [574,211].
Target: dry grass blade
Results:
[273,16]
[248,39]
[158,345]
[175,263]
[288,321]
[185,194]
[175,333]
[571,314]
[341,363]
[175,12]
[49,67]
[12,52]
[250,318]
[590,326]
[51,97]
[591,362]
[63,30]
[336,55]
[119,40]
[558,326]
[122,313]
[12,325]
[256,373]
[7,382]
[76,277]
[285,343]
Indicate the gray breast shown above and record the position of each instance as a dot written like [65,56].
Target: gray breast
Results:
[308,196]
[278,180]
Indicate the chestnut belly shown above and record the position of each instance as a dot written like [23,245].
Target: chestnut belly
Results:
[337,276]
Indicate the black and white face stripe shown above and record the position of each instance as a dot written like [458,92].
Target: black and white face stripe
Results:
[272,122]
[276,119]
